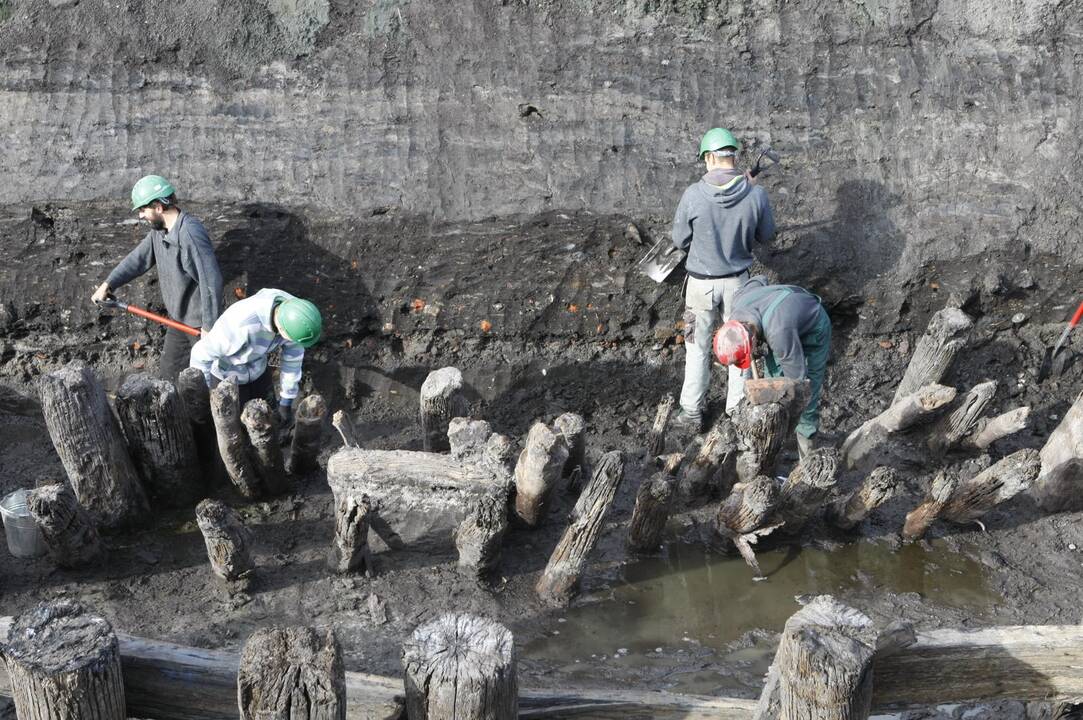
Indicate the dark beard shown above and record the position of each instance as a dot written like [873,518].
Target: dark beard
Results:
[158,224]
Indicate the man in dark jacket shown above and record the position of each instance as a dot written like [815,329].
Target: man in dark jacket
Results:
[791,329]
[716,222]
[188,273]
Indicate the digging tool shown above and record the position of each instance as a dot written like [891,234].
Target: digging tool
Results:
[1052,364]
[188,329]
[662,259]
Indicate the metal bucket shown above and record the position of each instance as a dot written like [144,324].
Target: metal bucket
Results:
[22,531]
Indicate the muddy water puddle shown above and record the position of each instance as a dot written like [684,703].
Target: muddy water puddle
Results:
[695,619]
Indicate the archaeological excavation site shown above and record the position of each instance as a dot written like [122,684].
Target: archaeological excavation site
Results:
[487,359]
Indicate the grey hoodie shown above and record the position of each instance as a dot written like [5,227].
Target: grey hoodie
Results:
[716,223]
[797,315]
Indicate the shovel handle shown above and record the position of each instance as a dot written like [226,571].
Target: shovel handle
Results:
[134,310]
[1077,317]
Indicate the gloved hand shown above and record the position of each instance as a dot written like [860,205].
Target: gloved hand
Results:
[285,414]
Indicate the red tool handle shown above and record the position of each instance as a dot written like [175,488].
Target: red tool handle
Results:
[113,302]
[1077,317]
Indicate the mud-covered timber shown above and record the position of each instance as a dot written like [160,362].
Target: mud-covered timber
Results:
[349,550]
[574,429]
[654,500]
[292,672]
[747,515]
[878,487]
[860,449]
[954,426]
[559,582]
[233,439]
[441,399]
[479,537]
[988,430]
[461,667]
[307,433]
[1059,487]
[262,427]
[71,537]
[656,438]
[538,471]
[945,335]
[341,421]
[155,423]
[807,488]
[90,445]
[228,544]
[64,662]
[761,431]
[192,387]
[924,515]
[710,472]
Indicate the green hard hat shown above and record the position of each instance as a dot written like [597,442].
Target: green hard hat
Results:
[716,139]
[301,320]
[149,189]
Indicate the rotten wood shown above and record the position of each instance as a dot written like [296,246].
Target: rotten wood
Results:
[350,548]
[468,439]
[155,423]
[441,400]
[988,431]
[877,488]
[761,430]
[656,438]
[342,422]
[461,667]
[945,335]
[261,423]
[924,515]
[91,447]
[999,483]
[559,582]
[807,488]
[63,662]
[791,394]
[71,537]
[228,544]
[233,439]
[538,471]
[292,673]
[1059,487]
[861,446]
[479,537]
[653,503]
[747,515]
[711,471]
[953,427]
[307,433]
[574,429]
[192,387]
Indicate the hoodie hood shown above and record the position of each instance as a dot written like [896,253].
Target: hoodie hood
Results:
[724,187]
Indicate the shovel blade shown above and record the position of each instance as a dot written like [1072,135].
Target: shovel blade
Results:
[660,262]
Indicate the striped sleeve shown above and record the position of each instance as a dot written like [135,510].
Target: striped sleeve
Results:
[290,370]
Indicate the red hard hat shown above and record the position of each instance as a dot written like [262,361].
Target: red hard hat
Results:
[733,345]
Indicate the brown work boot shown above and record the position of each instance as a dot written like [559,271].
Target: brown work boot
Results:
[684,422]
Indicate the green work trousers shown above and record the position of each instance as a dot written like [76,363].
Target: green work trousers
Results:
[816,345]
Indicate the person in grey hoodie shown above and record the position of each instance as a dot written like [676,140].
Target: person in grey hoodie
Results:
[188,273]
[717,221]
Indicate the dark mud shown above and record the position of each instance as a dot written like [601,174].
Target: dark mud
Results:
[543,314]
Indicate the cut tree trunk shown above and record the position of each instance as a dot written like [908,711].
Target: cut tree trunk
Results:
[461,667]
[64,664]
[860,450]
[192,387]
[467,439]
[228,544]
[955,426]
[262,426]
[807,488]
[307,433]
[1006,478]
[559,581]
[159,435]
[711,471]
[70,535]
[479,537]
[342,422]
[879,486]
[653,503]
[748,515]
[924,515]
[537,472]
[986,432]
[441,400]
[90,445]
[1059,487]
[574,430]
[656,438]
[233,439]
[945,336]
[292,673]
[350,547]
[761,430]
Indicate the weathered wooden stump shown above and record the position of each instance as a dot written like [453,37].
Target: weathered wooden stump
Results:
[860,450]
[747,515]
[988,431]
[64,664]
[90,445]
[538,471]
[233,439]
[924,515]
[70,535]
[1059,487]
[350,547]
[808,488]
[711,471]
[761,431]
[878,487]
[159,435]
[261,423]
[954,426]
[945,336]
[461,667]
[342,422]
[441,400]
[653,504]
[574,429]
[656,438]
[197,402]
[228,544]
[467,438]
[559,582]
[996,484]
[292,673]
[478,538]
[307,433]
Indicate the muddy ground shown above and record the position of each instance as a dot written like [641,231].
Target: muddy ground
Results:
[572,327]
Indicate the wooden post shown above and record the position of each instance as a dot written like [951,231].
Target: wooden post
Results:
[350,547]
[957,424]
[574,430]
[197,402]
[999,483]
[879,486]
[262,426]
[761,430]
[342,422]
[467,438]
[441,400]
[479,537]
[715,457]
[155,424]
[559,582]
[536,474]
[461,667]
[748,515]
[228,544]
[292,673]
[653,503]
[807,488]
[64,663]
[90,445]
[860,448]
[920,518]
[1059,487]
[72,539]
[822,670]
[988,431]
[656,438]
[945,336]
[307,433]
[233,440]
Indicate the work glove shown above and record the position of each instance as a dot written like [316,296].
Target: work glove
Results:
[285,415]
